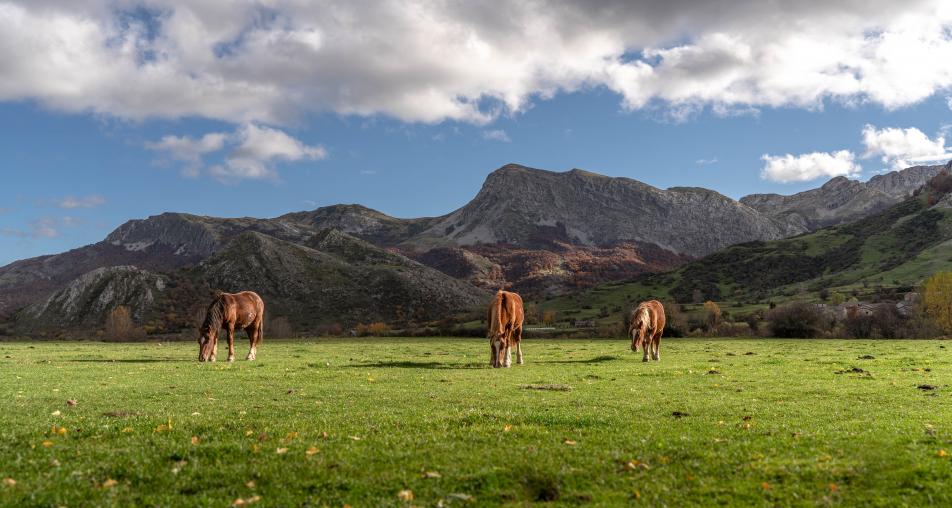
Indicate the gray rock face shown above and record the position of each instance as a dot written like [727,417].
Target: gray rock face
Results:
[520,206]
[842,200]
[87,300]
[903,183]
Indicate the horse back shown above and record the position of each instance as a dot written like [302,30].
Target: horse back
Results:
[656,310]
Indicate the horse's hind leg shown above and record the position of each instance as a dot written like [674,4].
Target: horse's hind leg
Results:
[519,345]
[231,343]
[254,337]
[656,345]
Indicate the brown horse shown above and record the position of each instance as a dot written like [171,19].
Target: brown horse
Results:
[504,322]
[242,311]
[647,324]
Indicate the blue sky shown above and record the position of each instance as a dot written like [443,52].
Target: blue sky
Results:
[80,158]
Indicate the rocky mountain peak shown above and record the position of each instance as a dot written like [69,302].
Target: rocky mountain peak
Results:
[187,234]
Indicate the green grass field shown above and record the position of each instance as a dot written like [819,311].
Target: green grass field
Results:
[335,422]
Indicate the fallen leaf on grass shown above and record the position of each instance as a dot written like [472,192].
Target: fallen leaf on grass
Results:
[461,497]
[58,431]
[507,428]
[165,427]
[71,402]
[47,443]
[432,475]
[251,484]
[355,438]
[405,495]
[9,482]
[311,451]
[941,453]
[833,487]
[195,440]
[243,502]
[196,413]
[56,413]
[281,451]
[765,486]
[109,483]
[325,435]
[126,430]
[570,442]
[636,464]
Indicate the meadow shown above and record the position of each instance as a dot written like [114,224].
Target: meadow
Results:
[426,422]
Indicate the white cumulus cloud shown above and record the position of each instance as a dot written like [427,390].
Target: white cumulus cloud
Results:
[496,135]
[422,61]
[801,168]
[901,148]
[253,151]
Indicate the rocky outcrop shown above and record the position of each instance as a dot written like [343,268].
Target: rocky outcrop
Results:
[902,184]
[842,200]
[87,300]
[527,207]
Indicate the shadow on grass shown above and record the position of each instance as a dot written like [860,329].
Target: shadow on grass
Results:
[420,365]
[597,359]
[130,360]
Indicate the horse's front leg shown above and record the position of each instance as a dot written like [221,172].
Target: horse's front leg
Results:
[645,346]
[656,346]
[231,343]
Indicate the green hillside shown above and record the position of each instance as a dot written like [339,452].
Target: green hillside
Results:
[879,257]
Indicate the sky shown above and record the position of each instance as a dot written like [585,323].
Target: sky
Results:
[114,110]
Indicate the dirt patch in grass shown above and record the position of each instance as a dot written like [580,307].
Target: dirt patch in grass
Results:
[547,387]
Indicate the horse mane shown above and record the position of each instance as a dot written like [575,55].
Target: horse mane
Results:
[215,314]
[640,318]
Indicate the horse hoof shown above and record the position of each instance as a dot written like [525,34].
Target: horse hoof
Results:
[645,359]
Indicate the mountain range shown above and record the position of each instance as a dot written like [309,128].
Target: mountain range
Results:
[537,231]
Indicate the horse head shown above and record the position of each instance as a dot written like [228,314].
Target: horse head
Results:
[638,327]
[207,342]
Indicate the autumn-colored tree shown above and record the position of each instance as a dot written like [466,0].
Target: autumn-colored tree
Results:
[548,317]
[713,314]
[937,300]
[119,323]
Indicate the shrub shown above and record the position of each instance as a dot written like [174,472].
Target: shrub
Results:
[937,300]
[795,320]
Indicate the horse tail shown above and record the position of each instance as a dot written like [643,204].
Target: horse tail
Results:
[495,318]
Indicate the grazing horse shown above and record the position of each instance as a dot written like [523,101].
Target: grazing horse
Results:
[505,328]
[647,324]
[242,311]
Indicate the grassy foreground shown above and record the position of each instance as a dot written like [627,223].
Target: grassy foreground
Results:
[368,422]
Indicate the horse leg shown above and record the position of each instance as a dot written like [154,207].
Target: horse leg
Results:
[492,352]
[231,343]
[645,346]
[519,346]
[252,340]
[657,347]
[508,361]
